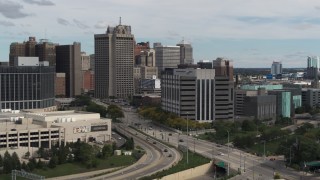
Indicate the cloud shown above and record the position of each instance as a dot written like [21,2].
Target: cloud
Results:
[6,23]
[80,24]
[101,25]
[12,10]
[40,2]
[63,22]
[256,20]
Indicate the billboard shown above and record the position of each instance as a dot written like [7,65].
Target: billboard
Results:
[99,128]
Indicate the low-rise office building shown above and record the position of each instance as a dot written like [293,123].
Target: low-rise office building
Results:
[44,129]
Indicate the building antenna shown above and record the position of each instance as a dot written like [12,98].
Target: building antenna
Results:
[120,20]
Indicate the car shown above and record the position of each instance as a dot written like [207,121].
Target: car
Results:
[221,154]
[154,142]
[165,150]
[181,140]
[218,145]
[119,138]
[170,134]
[160,130]
[113,133]
[170,155]
[272,159]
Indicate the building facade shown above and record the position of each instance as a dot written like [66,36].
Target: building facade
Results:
[60,84]
[186,52]
[197,94]
[25,49]
[223,67]
[46,51]
[310,97]
[261,107]
[313,65]
[276,68]
[27,87]
[69,62]
[167,57]
[114,59]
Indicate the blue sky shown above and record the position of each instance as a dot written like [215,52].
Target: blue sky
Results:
[252,33]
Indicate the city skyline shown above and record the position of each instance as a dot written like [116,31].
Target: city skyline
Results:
[251,33]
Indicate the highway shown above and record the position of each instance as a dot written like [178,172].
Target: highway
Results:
[252,167]
[158,155]
[156,158]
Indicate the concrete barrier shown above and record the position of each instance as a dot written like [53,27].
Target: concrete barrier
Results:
[190,173]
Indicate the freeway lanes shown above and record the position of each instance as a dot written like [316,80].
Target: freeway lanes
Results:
[155,161]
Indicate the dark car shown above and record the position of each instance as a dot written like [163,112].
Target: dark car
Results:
[154,142]
[181,140]
[165,150]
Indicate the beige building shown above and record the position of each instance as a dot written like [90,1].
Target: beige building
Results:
[43,129]
[114,59]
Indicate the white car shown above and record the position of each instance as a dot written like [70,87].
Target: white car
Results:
[119,138]
[221,154]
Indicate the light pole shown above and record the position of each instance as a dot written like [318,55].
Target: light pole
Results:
[264,149]
[228,155]
[187,139]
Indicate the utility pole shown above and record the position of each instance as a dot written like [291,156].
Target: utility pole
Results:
[187,139]
[228,155]
[252,169]
[240,162]
[264,150]
[244,163]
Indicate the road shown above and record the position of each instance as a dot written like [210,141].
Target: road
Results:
[156,159]
[251,166]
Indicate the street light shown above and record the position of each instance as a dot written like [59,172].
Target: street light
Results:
[264,149]
[228,154]
[187,139]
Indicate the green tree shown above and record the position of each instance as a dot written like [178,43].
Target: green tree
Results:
[25,167]
[16,164]
[1,161]
[304,128]
[248,125]
[32,164]
[244,141]
[7,163]
[115,112]
[129,145]
[107,151]
[53,162]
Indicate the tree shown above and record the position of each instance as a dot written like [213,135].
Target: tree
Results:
[1,161]
[107,151]
[16,164]
[248,125]
[129,145]
[244,141]
[7,163]
[25,167]
[32,164]
[304,128]
[53,162]
[115,112]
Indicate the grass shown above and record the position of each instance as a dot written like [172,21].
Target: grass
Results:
[74,168]
[194,161]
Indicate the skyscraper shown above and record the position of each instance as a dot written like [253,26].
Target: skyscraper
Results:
[276,68]
[26,49]
[114,58]
[167,57]
[46,51]
[223,67]
[313,65]
[69,62]
[186,54]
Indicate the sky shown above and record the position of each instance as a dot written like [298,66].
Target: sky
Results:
[251,33]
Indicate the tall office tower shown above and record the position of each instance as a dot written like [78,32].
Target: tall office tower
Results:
[142,46]
[146,58]
[92,62]
[85,61]
[186,54]
[16,49]
[69,62]
[28,85]
[167,57]
[223,67]
[31,47]
[276,68]
[114,59]
[46,51]
[27,49]
[313,65]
